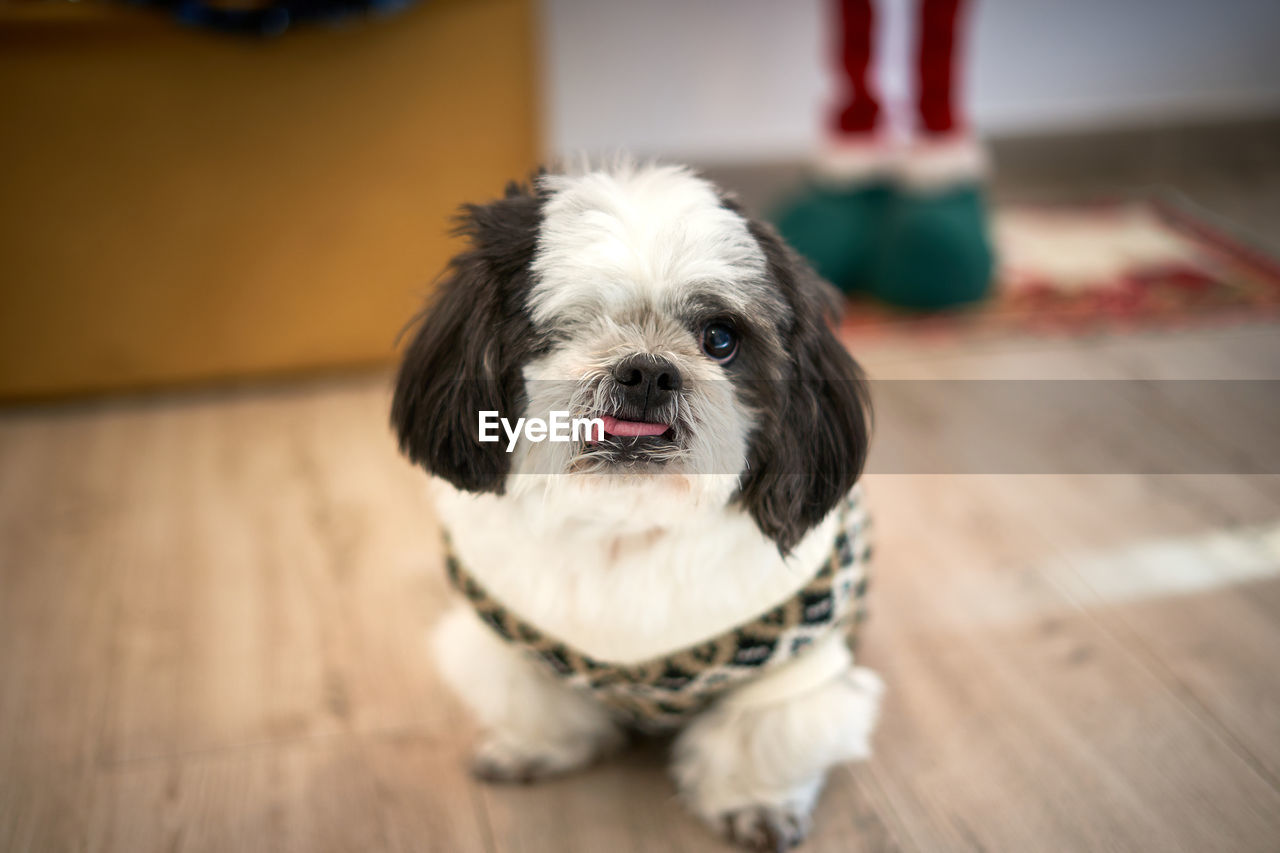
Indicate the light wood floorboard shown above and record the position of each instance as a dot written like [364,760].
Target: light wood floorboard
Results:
[214,610]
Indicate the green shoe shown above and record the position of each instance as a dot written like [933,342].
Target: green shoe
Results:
[936,252]
[838,230]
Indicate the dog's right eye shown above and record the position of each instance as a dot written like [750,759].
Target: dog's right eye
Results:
[719,342]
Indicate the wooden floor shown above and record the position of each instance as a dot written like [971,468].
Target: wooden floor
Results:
[213,610]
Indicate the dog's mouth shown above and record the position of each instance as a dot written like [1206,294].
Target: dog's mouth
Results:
[631,441]
[616,428]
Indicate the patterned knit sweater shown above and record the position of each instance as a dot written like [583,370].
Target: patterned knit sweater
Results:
[664,692]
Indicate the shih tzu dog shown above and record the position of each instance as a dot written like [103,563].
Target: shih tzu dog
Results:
[691,560]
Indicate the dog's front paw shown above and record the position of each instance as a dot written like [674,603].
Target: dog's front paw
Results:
[503,760]
[759,821]
[498,761]
[753,768]
[769,828]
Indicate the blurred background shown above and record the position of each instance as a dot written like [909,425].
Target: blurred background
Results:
[750,86]
[216,572]
[192,198]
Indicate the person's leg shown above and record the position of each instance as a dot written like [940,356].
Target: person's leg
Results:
[858,110]
[834,222]
[937,252]
[935,65]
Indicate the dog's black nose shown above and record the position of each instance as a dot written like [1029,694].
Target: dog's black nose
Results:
[648,381]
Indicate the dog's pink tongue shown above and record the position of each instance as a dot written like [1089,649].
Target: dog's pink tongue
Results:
[613,426]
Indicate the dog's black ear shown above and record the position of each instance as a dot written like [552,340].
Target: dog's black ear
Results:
[810,447]
[469,346]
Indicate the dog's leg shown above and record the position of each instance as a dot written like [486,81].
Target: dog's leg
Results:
[535,726]
[752,765]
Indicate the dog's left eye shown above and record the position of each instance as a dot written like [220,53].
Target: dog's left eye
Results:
[720,342]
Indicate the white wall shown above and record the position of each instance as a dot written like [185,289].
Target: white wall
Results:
[736,80]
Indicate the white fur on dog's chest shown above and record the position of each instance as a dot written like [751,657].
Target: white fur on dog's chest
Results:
[625,595]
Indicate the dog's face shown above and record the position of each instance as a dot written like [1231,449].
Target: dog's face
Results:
[643,297]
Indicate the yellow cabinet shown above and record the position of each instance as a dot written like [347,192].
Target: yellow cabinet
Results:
[180,206]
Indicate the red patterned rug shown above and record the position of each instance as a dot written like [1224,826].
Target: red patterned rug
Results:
[1105,266]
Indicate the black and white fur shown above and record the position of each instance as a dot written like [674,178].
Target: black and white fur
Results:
[631,549]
